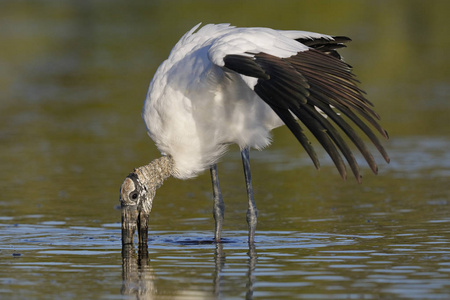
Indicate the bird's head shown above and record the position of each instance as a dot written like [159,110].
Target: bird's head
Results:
[136,201]
[136,197]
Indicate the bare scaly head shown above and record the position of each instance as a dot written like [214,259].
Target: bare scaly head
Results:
[136,197]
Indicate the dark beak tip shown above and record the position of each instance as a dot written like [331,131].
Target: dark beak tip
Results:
[129,223]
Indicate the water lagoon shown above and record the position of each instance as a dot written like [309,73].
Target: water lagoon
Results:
[74,77]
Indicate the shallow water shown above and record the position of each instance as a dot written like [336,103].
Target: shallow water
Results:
[56,261]
[382,239]
[73,77]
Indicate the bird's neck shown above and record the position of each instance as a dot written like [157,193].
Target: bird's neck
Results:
[154,174]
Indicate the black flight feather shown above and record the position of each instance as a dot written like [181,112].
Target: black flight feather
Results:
[315,78]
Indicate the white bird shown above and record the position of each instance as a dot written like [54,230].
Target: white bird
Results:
[222,85]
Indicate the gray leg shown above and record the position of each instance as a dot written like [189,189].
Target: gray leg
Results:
[252,212]
[218,206]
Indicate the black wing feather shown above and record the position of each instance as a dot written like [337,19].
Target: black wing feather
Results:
[315,78]
[321,135]
[325,45]
[338,140]
[244,65]
[348,130]
[294,127]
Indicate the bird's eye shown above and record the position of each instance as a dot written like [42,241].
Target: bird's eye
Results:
[134,195]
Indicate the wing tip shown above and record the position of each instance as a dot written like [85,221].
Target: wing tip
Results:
[341,39]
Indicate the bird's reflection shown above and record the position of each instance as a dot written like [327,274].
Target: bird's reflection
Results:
[252,258]
[139,277]
[219,260]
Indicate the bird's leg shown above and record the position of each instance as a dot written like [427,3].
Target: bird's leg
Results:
[252,212]
[218,206]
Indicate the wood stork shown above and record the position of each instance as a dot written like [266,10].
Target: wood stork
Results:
[223,84]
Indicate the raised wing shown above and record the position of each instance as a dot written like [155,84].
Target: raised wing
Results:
[312,83]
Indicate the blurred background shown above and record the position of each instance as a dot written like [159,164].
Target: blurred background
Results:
[74,76]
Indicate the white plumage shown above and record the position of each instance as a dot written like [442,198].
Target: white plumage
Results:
[222,85]
[195,107]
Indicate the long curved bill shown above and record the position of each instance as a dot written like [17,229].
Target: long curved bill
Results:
[142,226]
[130,215]
[132,220]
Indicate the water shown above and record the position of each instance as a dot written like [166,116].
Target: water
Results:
[56,261]
[73,77]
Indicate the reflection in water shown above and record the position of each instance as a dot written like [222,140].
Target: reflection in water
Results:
[402,261]
[251,269]
[219,259]
[138,277]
